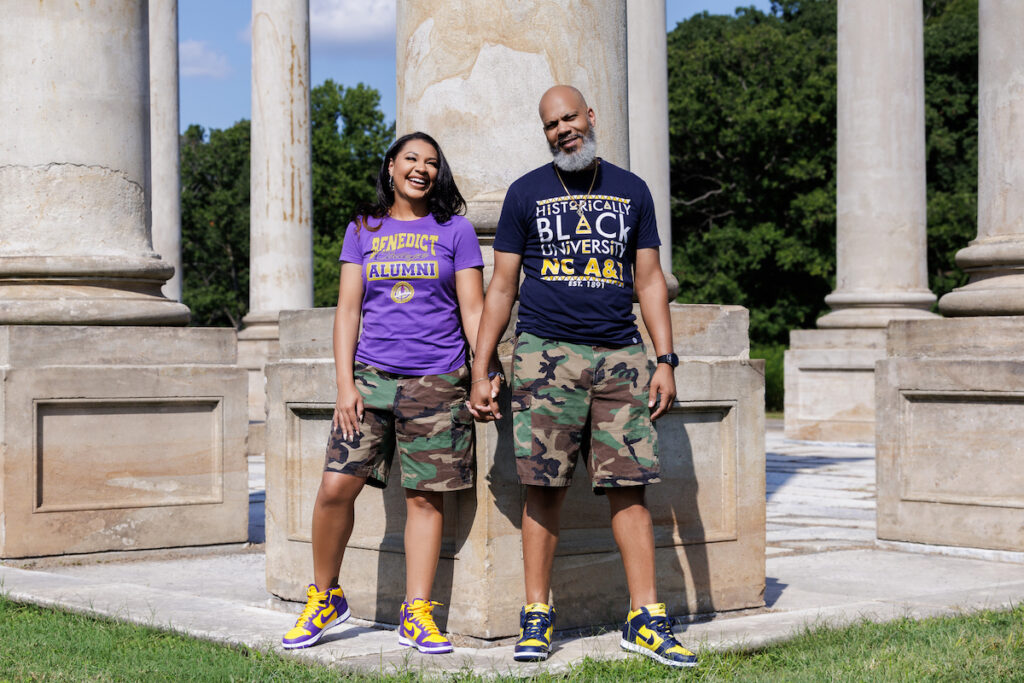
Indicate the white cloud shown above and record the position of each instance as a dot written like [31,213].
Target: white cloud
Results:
[344,24]
[196,59]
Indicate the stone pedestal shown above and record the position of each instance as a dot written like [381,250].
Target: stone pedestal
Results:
[120,438]
[830,384]
[709,512]
[950,416]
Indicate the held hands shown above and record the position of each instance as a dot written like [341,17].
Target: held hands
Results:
[348,411]
[663,390]
[483,398]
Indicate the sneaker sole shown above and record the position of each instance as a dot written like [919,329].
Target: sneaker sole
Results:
[530,656]
[641,650]
[425,649]
[312,640]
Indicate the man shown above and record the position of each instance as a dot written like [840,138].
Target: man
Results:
[584,232]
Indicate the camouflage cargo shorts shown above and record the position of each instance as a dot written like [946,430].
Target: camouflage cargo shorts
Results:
[568,397]
[426,417]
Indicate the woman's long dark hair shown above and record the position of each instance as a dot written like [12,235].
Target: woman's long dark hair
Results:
[444,200]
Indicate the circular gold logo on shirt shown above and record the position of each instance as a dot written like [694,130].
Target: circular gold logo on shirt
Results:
[402,292]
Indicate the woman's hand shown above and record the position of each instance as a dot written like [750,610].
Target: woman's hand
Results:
[348,411]
[483,398]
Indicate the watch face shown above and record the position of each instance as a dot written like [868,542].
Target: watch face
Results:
[669,358]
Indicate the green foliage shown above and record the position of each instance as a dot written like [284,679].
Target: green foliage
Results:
[752,144]
[349,141]
[349,138]
[752,133]
[215,224]
[774,383]
[951,117]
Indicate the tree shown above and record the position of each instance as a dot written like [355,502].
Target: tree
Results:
[215,224]
[349,141]
[349,138]
[752,149]
[752,139]
[951,116]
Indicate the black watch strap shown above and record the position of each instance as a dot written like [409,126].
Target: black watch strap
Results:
[669,358]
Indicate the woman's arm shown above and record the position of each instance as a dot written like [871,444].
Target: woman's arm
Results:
[348,410]
[469,288]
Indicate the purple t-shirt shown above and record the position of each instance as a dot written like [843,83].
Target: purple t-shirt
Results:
[410,311]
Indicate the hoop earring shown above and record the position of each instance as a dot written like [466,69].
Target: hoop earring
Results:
[391,182]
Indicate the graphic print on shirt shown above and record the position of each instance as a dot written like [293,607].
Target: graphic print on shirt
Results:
[582,251]
[394,257]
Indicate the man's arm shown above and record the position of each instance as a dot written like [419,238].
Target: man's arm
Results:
[501,294]
[652,293]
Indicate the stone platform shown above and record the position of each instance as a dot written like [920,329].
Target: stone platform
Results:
[823,568]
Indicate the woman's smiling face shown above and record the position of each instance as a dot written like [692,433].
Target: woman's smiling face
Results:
[414,170]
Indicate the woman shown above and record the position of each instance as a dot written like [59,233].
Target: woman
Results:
[410,267]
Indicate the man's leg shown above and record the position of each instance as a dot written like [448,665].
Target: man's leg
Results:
[541,521]
[634,534]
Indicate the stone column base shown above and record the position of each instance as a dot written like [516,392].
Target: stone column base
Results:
[830,384]
[120,438]
[950,448]
[708,512]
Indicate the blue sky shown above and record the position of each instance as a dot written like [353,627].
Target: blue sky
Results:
[353,41]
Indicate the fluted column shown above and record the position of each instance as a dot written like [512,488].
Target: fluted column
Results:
[471,74]
[647,56]
[995,260]
[881,259]
[164,138]
[281,200]
[75,246]
[281,187]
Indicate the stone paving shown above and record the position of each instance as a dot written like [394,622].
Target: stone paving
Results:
[823,567]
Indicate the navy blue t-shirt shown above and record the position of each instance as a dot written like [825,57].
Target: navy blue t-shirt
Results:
[578,284]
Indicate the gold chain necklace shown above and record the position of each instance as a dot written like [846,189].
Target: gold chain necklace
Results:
[579,204]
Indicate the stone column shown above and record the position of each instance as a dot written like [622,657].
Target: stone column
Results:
[74,212]
[881,210]
[995,260]
[281,200]
[471,75]
[119,431]
[647,49]
[164,138]
[951,413]
[881,260]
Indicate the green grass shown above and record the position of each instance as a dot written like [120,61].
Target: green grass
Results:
[52,645]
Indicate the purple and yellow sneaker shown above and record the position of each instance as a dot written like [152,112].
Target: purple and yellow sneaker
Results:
[648,631]
[323,610]
[536,628]
[418,629]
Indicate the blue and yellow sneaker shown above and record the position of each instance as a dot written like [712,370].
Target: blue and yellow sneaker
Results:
[324,609]
[417,628]
[536,626]
[648,631]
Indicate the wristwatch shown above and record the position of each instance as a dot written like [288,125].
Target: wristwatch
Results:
[669,358]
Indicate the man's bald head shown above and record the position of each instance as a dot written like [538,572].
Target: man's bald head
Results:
[563,94]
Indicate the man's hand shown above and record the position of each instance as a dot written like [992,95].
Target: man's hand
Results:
[663,390]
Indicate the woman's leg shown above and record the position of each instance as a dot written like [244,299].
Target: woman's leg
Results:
[424,524]
[333,517]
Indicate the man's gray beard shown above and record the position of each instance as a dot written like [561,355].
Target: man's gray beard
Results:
[579,160]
